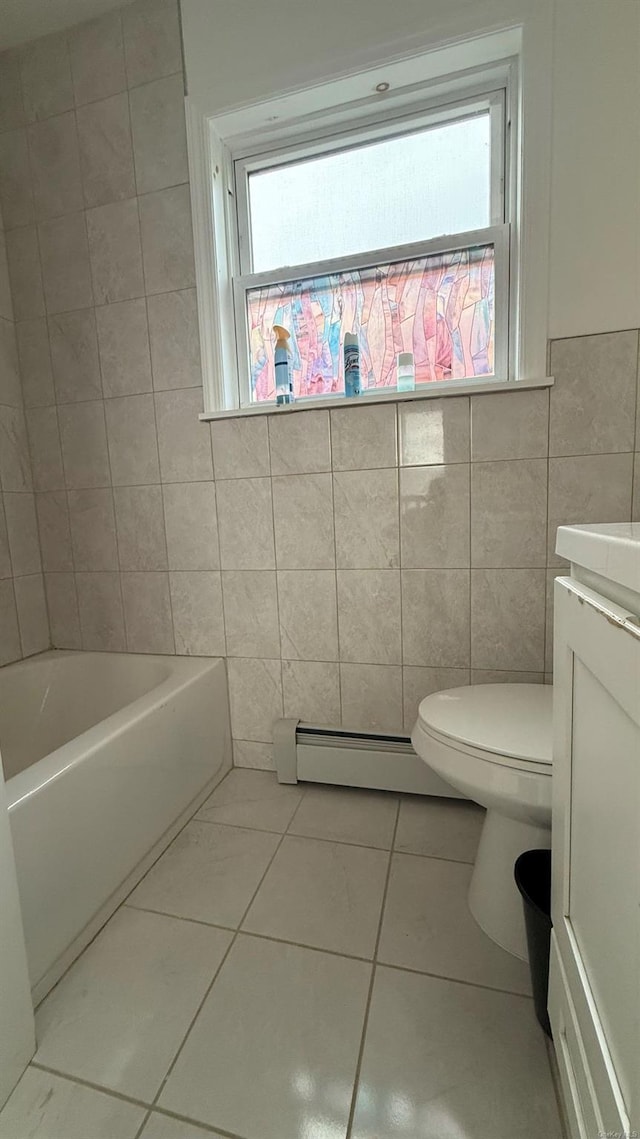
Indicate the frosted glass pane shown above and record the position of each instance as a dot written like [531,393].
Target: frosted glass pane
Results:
[406,189]
[440,308]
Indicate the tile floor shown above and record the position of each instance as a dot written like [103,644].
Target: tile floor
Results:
[299,964]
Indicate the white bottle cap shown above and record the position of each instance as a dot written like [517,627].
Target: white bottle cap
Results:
[405,359]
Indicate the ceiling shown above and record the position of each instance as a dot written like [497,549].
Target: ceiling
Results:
[22,20]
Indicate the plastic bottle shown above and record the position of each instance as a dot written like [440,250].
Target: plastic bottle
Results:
[351,365]
[284,385]
[406,381]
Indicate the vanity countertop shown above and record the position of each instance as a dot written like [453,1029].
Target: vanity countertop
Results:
[612,551]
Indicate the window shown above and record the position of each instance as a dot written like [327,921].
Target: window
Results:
[393,224]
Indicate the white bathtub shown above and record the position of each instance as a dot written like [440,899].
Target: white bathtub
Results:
[106,755]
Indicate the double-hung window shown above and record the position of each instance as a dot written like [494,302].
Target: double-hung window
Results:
[394,227]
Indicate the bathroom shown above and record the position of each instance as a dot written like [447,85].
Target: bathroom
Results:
[240,895]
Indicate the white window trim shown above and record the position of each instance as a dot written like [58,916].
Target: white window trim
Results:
[215,141]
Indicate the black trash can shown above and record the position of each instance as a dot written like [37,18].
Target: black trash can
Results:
[532,873]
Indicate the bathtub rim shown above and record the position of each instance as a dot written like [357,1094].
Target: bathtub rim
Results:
[183,672]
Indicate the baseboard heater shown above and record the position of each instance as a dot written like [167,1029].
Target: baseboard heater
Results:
[353,759]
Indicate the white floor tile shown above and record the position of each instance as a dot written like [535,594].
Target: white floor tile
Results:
[48,1107]
[450,1061]
[164,1127]
[442,828]
[119,1015]
[428,926]
[273,1052]
[252,799]
[324,894]
[347,814]
[209,873]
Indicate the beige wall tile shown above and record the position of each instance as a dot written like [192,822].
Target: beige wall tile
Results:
[54,531]
[419,682]
[116,256]
[184,443]
[366,519]
[251,613]
[10,648]
[371,697]
[434,431]
[435,617]
[152,40]
[65,263]
[22,532]
[16,197]
[300,444]
[97,58]
[507,619]
[509,513]
[198,622]
[363,438]
[10,387]
[147,613]
[106,151]
[140,527]
[255,696]
[93,529]
[11,106]
[33,620]
[100,608]
[497,676]
[6,304]
[44,444]
[62,603]
[191,524]
[303,518]
[509,425]
[245,524]
[240,448]
[74,356]
[124,348]
[159,134]
[133,446]
[167,240]
[46,77]
[23,259]
[15,463]
[312,691]
[256,756]
[308,614]
[434,516]
[5,557]
[585,489]
[175,340]
[84,445]
[635,512]
[593,399]
[369,616]
[55,166]
[35,362]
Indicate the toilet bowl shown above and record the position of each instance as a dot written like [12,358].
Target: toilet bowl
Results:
[492,742]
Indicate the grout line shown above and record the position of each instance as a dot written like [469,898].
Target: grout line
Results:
[217,972]
[365,1023]
[88,1084]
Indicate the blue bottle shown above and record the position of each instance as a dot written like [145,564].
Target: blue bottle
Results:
[351,365]
[284,386]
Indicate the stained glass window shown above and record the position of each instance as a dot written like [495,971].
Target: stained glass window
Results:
[440,307]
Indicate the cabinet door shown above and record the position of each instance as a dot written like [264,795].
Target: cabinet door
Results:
[594,992]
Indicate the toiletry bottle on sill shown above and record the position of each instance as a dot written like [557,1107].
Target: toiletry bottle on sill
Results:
[351,365]
[284,385]
[406,378]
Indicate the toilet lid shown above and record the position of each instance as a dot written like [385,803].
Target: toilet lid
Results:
[513,720]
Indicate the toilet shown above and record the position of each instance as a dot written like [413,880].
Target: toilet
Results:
[492,742]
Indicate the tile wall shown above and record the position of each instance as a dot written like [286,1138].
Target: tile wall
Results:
[24,627]
[346,563]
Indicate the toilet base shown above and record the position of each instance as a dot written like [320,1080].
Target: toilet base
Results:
[494,900]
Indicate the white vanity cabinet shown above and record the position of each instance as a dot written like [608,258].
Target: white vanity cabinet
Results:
[594,986]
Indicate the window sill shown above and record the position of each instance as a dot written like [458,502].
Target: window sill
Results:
[435,391]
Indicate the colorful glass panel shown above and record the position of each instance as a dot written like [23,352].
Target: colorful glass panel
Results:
[439,307]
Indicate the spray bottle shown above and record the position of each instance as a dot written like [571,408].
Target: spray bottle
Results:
[351,365]
[284,385]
